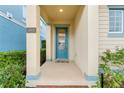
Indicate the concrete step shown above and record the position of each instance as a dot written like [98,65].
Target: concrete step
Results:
[61,86]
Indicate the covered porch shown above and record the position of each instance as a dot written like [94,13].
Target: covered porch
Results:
[81,65]
[61,75]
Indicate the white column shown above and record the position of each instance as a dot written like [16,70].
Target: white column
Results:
[33,42]
[49,43]
[92,70]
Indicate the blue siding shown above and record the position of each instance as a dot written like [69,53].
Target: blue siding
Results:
[12,36]
[15,10]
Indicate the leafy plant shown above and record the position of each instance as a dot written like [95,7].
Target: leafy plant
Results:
[12,69]
[113,58]
[112,78]
[43,43]
[42,55]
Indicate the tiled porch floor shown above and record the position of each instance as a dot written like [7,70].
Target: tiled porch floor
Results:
[53,73]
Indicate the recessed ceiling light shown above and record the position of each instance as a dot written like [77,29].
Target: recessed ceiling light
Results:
[60,10]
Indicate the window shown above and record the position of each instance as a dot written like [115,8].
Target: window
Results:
[43,29]
[116,21]
[43,32]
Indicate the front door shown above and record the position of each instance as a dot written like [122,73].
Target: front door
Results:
[61,43]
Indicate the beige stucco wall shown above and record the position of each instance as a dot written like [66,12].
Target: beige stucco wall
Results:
[81,40]
[105,41]
[86,40]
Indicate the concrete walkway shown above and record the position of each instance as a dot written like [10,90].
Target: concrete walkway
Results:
[53,73]
[60,73]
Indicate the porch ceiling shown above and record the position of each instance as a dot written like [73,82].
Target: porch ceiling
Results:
[69,11]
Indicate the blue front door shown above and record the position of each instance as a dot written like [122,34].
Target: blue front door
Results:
[61,43]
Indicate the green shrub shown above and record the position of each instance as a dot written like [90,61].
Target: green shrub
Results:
[12,69]
[43,52]
[43,43]
[112,78]
[42,55]
[114,58]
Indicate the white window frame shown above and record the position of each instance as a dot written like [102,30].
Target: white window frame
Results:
[41,19]
[122,25]
[24,11]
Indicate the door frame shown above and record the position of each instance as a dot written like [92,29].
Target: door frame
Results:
[62,27]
